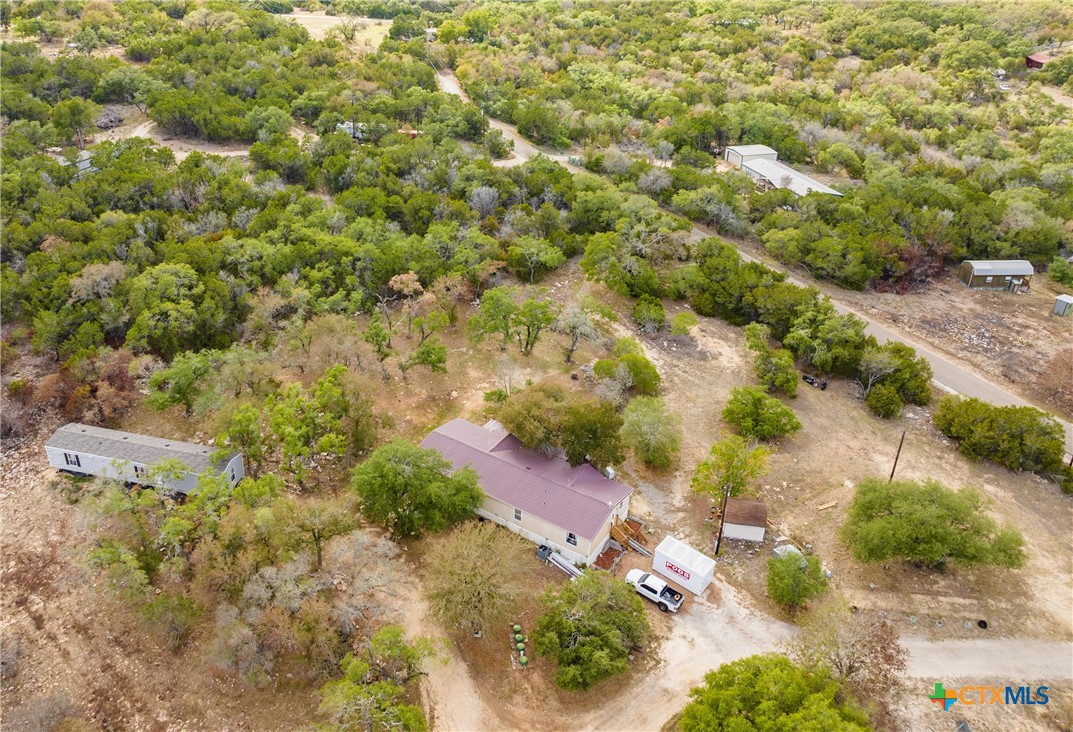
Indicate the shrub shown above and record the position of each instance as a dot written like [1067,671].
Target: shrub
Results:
[794,579]
[1061,272]
[769,693]
[757,415]
[929,525]
[649,315]
[884,401]
[1020,438]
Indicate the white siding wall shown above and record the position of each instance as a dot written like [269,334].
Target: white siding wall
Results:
[542,532]
[740,531]
[117,470]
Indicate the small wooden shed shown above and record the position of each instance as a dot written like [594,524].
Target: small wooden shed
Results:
[1063,305]
[1010,275]
[745,520]
[1036,60]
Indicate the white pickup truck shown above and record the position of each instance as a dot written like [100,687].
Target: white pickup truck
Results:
[652,587]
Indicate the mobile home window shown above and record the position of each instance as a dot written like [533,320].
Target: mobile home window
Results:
[571,539]
[233,475]
[72,459]
[987,280]
[517,514]
[139,470]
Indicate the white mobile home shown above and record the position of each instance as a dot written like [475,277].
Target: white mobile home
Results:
[545,499]
[83,449]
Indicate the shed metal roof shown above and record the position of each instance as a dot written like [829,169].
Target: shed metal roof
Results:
[1040,58]
[783,176]
[746,150]
[1001,266]
[1065,298]
[133,448]
[578,498]
[745,513]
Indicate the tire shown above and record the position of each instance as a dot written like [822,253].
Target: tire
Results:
[663,607]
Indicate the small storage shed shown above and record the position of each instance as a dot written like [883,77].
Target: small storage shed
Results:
[681,563]
[1011,275]
[738,155]
[1063,305]
[745,520]
[1036,60]
[84,449]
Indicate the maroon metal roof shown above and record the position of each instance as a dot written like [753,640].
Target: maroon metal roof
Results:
[1039,58]
[577,499]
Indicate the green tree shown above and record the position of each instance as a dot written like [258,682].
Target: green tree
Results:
[268,122]
[769,693]
[589,430]
[474,574]
[774,367]
[242,432]
[496,315]
[182,381]
[530,320]
[532,257]
[589,628]
[408,489]
[378,335]
[831,342]
[643,376]
[757,415]
[929,525]
[731,466]
[371,695]
[303,425]
[653,433]
[532,415]
[429,352]
[794,579]
[75,117]
[1061,272]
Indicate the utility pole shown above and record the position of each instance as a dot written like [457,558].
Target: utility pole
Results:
[722,519]
[896,456]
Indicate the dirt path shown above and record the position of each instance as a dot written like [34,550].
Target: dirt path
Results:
[180,147]
[1057,95]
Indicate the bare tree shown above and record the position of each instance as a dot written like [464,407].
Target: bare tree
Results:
[863,651]
[576,324]
[474,574]
[876,365]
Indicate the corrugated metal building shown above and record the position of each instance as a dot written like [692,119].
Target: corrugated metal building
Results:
[545,499]
[770,174]
[1011,275]
[83,449]
[737,155]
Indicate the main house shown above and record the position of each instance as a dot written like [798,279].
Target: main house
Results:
[761,163]
[83,449]
[545,499]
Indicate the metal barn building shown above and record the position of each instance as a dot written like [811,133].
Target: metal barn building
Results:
[545,499]
[1011,275]
[83,449]
[738,155]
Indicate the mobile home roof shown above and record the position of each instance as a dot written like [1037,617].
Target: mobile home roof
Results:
[131,447]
